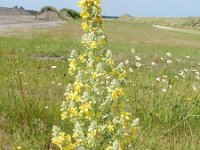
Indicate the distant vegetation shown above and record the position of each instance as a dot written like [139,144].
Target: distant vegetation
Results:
[63,14]
[189,22]
[74,14]
[46,8]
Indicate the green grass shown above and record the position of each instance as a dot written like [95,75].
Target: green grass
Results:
[31,91]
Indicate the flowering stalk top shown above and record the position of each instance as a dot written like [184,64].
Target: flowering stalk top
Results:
[92,24]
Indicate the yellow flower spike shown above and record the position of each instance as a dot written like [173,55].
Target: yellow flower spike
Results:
[95,102]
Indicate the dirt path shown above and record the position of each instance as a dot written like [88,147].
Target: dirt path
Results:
[192,31]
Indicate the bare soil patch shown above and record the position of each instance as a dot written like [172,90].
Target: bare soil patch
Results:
[8,22]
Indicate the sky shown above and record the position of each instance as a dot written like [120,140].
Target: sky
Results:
[138,8]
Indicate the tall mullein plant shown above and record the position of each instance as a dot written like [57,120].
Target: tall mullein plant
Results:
[96,102]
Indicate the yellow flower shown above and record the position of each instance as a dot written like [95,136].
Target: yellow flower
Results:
[99,115]
[85,107]
[82,58]
[110,128]
[113,72]
[97,2]
[98,59]
[78,86]
[127,139]
[94,45]
[69,147]
[63,115]
[100,128]
[123,75]
[73,96]
[81,3]
[73,112]
[117,93]
[102,41]
[99,20]
[84,14]
[72,66]
[58,140]
[91,134]
[94,75]
[134,131]
[19,147]
[108,147]
[89,115]
[85,26]
[87,87]
[121,91]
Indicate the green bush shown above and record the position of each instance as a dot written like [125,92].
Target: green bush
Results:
[74,14]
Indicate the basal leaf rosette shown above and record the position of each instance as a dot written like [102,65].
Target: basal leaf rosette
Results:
[96,102]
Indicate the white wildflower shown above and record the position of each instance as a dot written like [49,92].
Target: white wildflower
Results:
[53,67]
[153,63]
[194,88]
[138,64]
[188,57]
[169,61]
[133,51]
[130,70]
[158,79]
[127,62]
[169,54]
[136,122]
[137,58]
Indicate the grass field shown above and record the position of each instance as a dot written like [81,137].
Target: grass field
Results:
[164,92]
[188,22]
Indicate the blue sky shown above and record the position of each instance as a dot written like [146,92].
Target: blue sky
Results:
[167,8]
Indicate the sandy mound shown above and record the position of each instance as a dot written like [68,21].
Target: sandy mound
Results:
[125,17]
[48,14]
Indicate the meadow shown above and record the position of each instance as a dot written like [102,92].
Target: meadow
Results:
[164,90]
